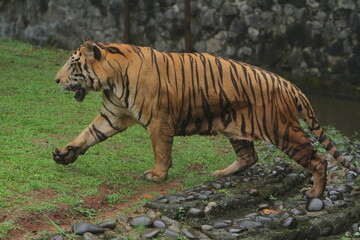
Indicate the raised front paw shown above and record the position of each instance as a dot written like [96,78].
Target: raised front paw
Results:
[154,176]
[65,155]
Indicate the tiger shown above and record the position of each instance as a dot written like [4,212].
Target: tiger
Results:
[180,94]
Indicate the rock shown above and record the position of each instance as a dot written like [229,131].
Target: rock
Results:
[237,230]
[289,223]
[335,195]
[164,200]
[108,224]
[150,233]
[217,185]
[171,233]
[263,206]
[81,228]
[57,237]
[140,221]
[90,236]
[210,206]
[344,188]
[206,227]
[202,197]
[195,212]
[249,224]
[351,174]
[263,219]
[222,224]
[298,211]
[189,233]
[314,205]
[159,224]
[253,192]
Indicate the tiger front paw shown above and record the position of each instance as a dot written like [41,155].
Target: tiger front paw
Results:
[152,175]
[65,155]
[312,192]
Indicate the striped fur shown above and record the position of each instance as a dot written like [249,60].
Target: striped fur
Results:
[177,94]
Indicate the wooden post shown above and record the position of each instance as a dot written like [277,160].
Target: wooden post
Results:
[187,33]
[126,22]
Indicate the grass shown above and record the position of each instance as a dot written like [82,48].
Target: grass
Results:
[37,116]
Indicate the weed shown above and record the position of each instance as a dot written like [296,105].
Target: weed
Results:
[115,198]
[181,214]
[272,198]
[6,227]
[223,190]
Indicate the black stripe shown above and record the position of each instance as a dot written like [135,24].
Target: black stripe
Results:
[101,136]
[109,122]
[115,50]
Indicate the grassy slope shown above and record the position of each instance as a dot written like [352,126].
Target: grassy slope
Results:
[36,116]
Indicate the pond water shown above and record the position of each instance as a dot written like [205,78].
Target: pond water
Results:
[343,114]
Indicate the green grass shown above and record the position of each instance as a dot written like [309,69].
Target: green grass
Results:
[36,116]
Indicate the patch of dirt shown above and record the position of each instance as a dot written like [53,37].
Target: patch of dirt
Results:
[33,224]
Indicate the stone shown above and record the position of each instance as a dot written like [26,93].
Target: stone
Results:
[314,205]
[206,227]
[171,233]
[249,224]
[140,221]
[90,236]
[159,224]
[222,224]
[298,211]
[289,223]
[57,237]
[81,228]
[237,230]
[107,224]
[335,195]
[189,233]
[150,233]
[253,192]
[351,174]
[263,219]
[195,213]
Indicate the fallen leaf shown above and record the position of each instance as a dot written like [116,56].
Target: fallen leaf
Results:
[149,196]
[268,211]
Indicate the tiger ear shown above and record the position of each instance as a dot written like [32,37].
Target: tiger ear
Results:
[89,49]
[92,51]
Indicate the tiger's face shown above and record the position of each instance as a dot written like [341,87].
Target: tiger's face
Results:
[82,72]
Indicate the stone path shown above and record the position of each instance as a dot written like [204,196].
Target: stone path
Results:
[262,203]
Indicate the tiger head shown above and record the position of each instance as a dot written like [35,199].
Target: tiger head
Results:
[83,71]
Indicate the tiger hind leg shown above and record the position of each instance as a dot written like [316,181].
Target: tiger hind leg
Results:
[246,156]
[299,148]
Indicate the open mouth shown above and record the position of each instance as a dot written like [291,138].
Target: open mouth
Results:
[78,91]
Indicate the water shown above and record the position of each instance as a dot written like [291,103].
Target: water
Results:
[342,114]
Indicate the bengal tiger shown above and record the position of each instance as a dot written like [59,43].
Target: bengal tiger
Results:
[178,94]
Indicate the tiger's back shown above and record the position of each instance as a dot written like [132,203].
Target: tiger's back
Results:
[173,94]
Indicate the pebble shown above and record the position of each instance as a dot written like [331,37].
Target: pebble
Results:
[263,219]
[164,200]
[81,228]
[263,206]
[210,206]
[208,193]
[236,230]
[140,221]
[344,188]
[217,185]
[351,174]
[335,195]
[159,224]
[314,205]
[189,233]
[203,197]
[150,233]
[253,192]
[108,224]
[298,211]
[251,215]
[90,236]
[289,223]
[171,233]
[249,224]
[355,228]
[57,237]
[206,227]
[222,224]
[195,212]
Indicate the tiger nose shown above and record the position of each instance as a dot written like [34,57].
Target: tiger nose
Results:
[57,81]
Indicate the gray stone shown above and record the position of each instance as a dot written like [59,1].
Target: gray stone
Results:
[237,230]
[298,211]
[249,224]
[107,224]
[189,233]
[206,227]
[222,224]
[159,224]
[140,221]
[314,205]
[289,223]
[150,233]
[263,219]
[171,233]
[90,236]
[195,212]
[57,237]
[81,228]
